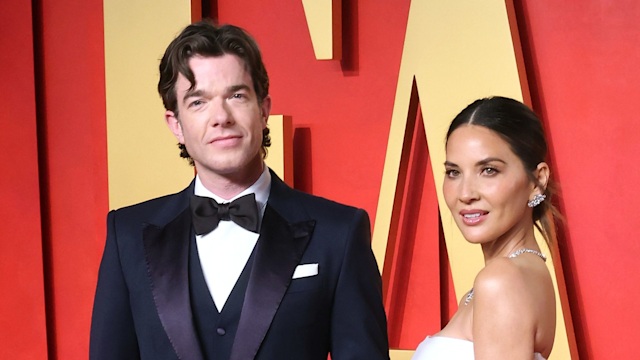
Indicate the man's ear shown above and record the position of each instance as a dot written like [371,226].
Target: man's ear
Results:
[265,109]
[174,125]
[541,174]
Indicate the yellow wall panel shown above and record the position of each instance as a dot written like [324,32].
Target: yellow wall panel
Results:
[324,20]
[280,153]
[143,157]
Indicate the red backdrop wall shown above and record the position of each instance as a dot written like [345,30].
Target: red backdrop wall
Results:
[581,60]
[70,85]
[22,305]
[53,187]
[582,66]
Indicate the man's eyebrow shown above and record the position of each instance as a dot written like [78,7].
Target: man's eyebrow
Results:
[192,93]
[199,92]
[234,88]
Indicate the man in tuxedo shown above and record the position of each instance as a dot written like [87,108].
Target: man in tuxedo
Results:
[238,265]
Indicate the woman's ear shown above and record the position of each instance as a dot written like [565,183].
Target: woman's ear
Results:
[541,174]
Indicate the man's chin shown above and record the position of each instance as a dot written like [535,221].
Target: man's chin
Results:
[230,169]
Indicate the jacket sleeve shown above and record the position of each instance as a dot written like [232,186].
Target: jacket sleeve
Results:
[359,325]
[112,330]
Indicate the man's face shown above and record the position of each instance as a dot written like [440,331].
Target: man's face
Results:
[220,121]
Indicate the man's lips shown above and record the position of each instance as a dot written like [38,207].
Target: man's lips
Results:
[225,140]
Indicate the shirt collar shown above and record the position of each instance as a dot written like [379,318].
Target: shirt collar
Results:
[260,188]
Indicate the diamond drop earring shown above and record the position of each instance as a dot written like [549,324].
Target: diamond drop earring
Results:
[539,198]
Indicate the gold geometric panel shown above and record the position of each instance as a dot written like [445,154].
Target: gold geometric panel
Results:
[324,20]
[143,159]
[280,153]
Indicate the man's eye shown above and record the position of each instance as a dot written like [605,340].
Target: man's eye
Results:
[196,103]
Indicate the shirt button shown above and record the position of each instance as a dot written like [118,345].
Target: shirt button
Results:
[221,331]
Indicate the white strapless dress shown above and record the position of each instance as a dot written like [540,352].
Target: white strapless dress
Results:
[446,348]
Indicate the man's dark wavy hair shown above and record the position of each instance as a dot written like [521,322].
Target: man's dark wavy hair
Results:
[206,39]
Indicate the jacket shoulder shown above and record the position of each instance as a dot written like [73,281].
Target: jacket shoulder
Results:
[326,211]
[157,211]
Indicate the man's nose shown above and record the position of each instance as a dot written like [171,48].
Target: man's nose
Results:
[220,113]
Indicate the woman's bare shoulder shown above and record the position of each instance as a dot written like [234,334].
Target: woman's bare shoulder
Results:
[503,293]
[499,277]
[503,310]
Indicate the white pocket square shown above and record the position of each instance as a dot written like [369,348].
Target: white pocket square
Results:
[305,270]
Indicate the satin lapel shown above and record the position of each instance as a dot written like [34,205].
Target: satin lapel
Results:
[167,254]
[278,252]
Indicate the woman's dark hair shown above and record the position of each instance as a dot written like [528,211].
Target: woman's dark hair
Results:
[206,39]
[521,128]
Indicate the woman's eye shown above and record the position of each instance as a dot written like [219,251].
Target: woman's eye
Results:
[451,173]
[490,171]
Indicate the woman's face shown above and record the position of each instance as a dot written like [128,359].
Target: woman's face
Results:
[486,186]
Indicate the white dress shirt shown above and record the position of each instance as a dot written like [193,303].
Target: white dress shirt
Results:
[224,252]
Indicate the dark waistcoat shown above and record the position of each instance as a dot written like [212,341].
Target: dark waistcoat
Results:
[216,330]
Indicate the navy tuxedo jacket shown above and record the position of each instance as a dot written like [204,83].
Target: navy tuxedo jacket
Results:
[142,307]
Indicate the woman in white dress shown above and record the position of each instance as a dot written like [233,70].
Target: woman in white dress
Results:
[497,188]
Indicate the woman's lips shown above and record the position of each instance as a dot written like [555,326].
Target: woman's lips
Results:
[473,217]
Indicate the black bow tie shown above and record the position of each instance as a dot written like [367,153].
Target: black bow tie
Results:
[207,213]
